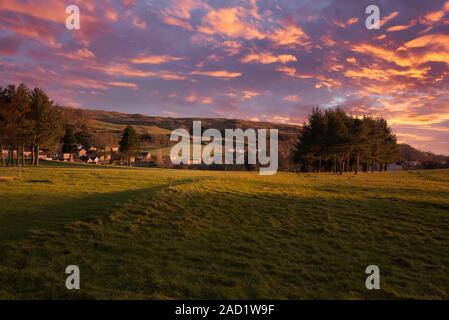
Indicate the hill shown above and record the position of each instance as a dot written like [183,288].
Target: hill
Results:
[412,154]
[109,120]
[155,131]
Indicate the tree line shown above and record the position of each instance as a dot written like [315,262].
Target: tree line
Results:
[29,120]
[331,140]
[334,141]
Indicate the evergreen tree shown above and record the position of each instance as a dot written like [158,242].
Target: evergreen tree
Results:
[69,143]
[47,127]
[129,144]
[359,140]
[14,109]
[83,137]
[343,142]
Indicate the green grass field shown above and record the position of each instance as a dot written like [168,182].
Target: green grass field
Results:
[168,234]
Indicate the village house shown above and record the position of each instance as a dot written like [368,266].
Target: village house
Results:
[93,160]
[66,157]
[81,153]
[145,156]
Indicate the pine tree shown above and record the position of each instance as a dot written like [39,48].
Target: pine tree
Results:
[129,144]
[46,123]
[343,142]
[69,143]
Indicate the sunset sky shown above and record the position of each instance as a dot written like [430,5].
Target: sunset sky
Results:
[257,59]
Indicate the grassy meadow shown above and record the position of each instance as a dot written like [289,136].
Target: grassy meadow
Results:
[169,234]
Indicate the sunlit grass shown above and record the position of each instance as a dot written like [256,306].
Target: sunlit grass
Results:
[154,233]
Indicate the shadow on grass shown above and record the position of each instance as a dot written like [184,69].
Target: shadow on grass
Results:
[16,224]
[196,244]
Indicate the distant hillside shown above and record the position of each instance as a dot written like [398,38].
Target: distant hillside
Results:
[110,120]
[410,153]
[155,131]
[105,127]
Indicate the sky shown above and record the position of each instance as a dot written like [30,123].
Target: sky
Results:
[267,60]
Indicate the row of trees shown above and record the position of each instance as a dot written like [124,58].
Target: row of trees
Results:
[334,141]
[28,121]
[331,140]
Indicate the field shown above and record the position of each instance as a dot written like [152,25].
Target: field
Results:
[169,234]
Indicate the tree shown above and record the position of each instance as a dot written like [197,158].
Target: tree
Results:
[21,103]
[313,145]
[5,99]
[338,138]
[84,138]
[27,119]
[359,140]
[129,144]
[15,104]
[343,142]
[69,143]
[46,123]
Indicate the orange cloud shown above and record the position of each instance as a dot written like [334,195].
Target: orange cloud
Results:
[230,22]
[386,19]
[207,100]
[155,59]
[268,58]
[348,22]
[292,98]
[289,35]
[327,41]
[177,22]
[168,75]
[111,14]
[80,54]
[139,23]
[179,12]
[436,16]
[289,71]
[247,94]
[386,74]
[217,74]
[351,60]
[321,81]
[191,98]
[124,70]
[381,53]
[402,27]
[418,120]
[124,85]
[51,10]
[352,21]
[37,31]
[404,137]
[437,48]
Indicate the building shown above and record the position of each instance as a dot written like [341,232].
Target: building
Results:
[82,153]
[93,160]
